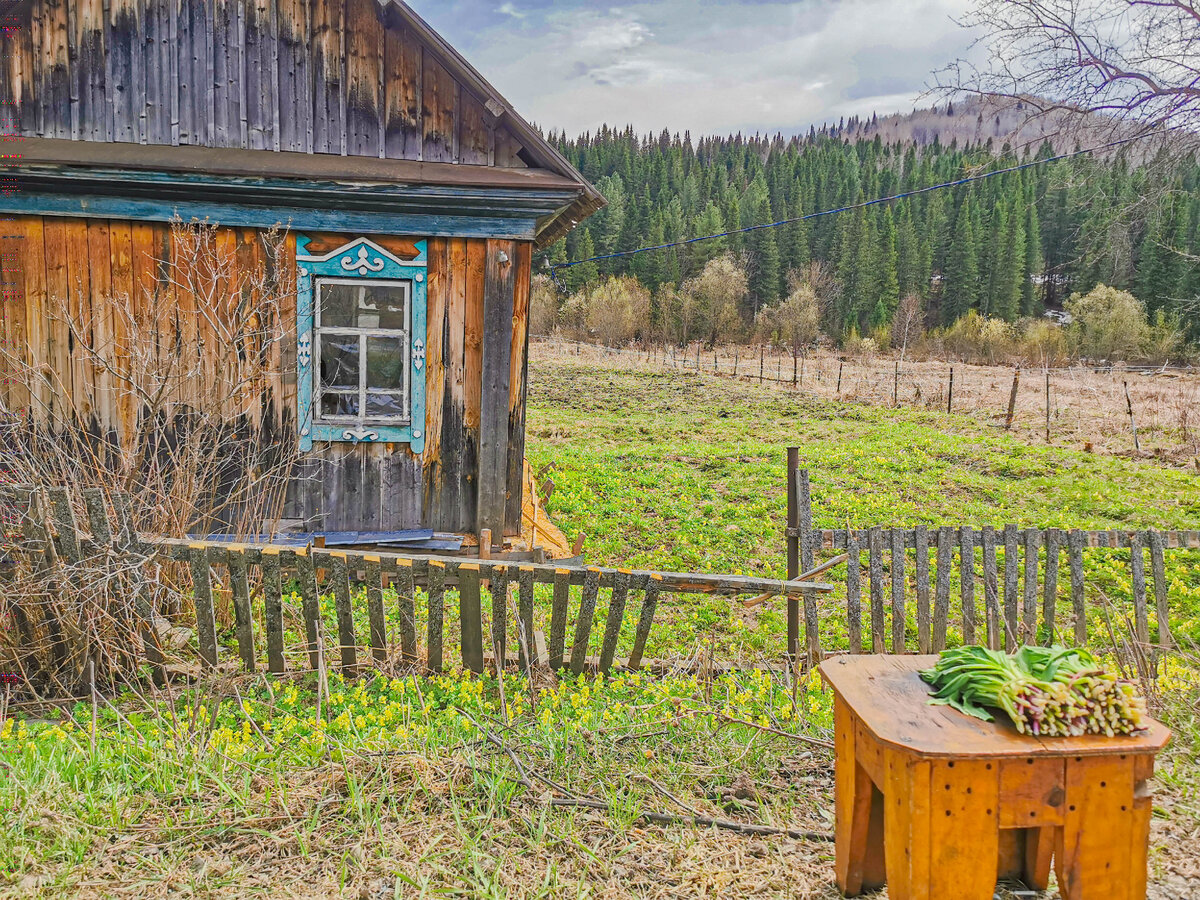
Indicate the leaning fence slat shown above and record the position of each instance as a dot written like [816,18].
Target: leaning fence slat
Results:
[875,573]
[65,524]
[853,593]
[1137,573]
[470,613]
[206,620]
[991,588]
[310,597]
[558,616]
[1158,567]
[812,634]
[525,622]
[583,626]
[1078,601]
[406,603]
[899,611]
[924,638]
[941,602]
[272,591]
[500,579]
[1029,609]
[374,575]
[649,604]
[1054,538]
[239,578]
[339,580]
[93,499]
[437,611]
[1012,573]
[128,543]
[616,615]
[966,543]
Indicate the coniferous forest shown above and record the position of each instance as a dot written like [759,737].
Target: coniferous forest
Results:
[1010,246]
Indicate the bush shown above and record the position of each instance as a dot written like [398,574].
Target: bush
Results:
[978,339]
[543,306]
[717,295]
[795,322]
[1108,324]
[615,313]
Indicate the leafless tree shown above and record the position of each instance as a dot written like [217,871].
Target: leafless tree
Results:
[908,322]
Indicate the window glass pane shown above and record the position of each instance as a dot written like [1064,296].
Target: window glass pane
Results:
[386,362]
[339,305]
[384,306]
[339,405]
[339,361]
[386,405]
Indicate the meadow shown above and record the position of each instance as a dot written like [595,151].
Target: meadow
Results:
[394,785]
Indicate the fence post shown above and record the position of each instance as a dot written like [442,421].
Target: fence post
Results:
[950,393]
[1012,400]
[793,550]
[1137,445]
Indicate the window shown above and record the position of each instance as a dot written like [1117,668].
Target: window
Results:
[363,333]
[360,314]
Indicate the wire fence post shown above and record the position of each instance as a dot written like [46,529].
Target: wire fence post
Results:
[793,550]
[950,392]
[1012,400]
[1137,446]
[762,361]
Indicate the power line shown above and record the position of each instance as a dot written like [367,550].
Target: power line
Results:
[852,207]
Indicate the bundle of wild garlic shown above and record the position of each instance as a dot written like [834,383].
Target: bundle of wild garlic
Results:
[1048,691]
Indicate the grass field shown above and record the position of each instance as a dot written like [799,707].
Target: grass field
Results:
[396,786]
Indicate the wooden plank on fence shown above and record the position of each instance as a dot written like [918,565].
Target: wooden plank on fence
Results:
[339,579]
[875,574]
[310,601]
[97,513]
[924,637]
[437,611]
[1137,573]
[239,578]
[853,593]
[991,588]
[649,604]
[558,616]
[206,620]
[1158,568]
[65,524]
[1033,541]
[941,602]
[500,579]
[616,615]
[525,624]
[1012,579]
[470,613]
[1054,541]
[899,611]
[272,591]
[966,542]
[583,626]
[406,603]
[128,542]
[375,614]
[812,634]
[1078,600]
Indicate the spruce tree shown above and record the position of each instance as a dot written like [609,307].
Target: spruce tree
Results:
[960,286]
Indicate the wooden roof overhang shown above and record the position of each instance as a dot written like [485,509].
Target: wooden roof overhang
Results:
[251,188]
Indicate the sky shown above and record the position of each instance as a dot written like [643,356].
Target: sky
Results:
[708,66]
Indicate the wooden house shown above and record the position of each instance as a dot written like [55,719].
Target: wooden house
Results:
[398,173]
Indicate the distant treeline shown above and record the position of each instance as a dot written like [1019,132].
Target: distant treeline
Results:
[1008,247]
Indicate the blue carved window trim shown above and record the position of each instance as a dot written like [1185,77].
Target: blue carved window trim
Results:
[360,260]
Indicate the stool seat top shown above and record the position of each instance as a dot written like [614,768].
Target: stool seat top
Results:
[887,695]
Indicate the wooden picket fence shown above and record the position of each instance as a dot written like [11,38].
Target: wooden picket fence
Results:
[51,530]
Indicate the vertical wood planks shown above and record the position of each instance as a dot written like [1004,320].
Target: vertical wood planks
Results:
[853,593]
[924,636]
[406,593]
[339,577]
[1158,569]
[375,607]
[964,800]
[518,389]
[794,534]
[239,578]
[1029,606]
[812,635]
[899,611]
[558,616]
[1078,600]
[310,597]
[272,591]
[206,621]
[941,603]
[525,624]
[499,281]
[1012,573]
[470,610]
[437,609]
[583,626]
[500,579]
[875,573]
[616,614]
[991,588]
[1054,538]
[967,582]
[649,603]
[1137,572]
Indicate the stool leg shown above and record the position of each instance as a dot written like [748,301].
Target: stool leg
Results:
[906,826]
[1096,857]
[859,830]
[1039,848]
[964,829]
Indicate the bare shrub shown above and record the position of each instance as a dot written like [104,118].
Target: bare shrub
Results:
[616,312]
[795,322]
[908,324]
[543,306]
[1108,324]
[716,296]
[978,339]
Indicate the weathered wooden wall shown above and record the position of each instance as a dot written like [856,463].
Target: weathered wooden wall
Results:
[470,473]
[347,77]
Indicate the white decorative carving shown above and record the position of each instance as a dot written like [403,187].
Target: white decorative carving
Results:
[418,354]
[359,434]
[420,276]
[304,350]
[363,264]
[416,434]
[303,272]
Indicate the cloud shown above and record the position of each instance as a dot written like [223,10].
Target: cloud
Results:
[709,66]
[510,9]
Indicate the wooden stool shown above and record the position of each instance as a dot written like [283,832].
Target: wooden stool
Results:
[940,805]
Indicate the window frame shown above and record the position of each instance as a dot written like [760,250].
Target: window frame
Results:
[359,261]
